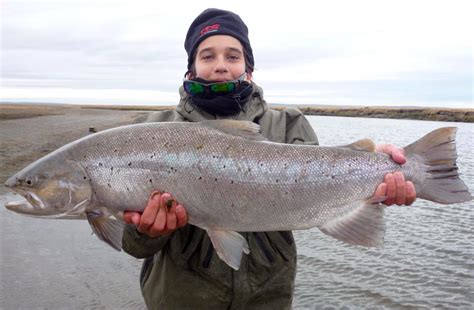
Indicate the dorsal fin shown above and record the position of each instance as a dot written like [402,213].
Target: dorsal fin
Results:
[366,145]
[243,129]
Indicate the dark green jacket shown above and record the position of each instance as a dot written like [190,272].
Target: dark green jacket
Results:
[182,271]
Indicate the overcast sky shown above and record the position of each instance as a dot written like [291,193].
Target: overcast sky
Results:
[416,53]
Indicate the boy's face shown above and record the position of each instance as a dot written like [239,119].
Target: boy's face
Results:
[220,58]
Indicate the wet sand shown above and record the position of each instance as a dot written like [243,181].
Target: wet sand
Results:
[57,264]
[28,132]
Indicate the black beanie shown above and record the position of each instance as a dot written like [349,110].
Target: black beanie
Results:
[217,22]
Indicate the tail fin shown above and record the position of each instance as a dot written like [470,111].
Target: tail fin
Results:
[437,150]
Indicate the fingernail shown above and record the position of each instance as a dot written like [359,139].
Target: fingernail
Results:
[155,194]
[135,220]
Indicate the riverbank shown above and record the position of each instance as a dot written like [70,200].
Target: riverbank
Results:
[28,132]
[417,113]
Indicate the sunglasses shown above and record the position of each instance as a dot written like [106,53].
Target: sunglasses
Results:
[196,88]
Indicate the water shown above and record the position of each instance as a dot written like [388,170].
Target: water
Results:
[427,261]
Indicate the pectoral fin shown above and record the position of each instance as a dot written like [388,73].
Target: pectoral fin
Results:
[229,245]
[106,227]
[364,225]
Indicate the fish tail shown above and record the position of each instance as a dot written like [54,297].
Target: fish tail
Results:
[437,151]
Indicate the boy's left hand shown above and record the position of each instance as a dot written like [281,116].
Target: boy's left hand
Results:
[395,188]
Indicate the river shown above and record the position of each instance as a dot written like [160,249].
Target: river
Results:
[427,260]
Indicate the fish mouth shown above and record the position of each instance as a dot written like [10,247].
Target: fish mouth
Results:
[34,200]
[18,205]
[31,205]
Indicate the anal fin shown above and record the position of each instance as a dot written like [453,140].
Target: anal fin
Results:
[106,227]
[364,225]
[229,246]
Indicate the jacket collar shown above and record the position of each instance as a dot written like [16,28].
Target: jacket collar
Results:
[253,110]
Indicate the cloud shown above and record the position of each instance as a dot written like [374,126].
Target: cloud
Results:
[364,51]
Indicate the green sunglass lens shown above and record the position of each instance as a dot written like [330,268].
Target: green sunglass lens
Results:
[194,88]
[223,87]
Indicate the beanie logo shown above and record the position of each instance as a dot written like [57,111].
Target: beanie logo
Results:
[211,28]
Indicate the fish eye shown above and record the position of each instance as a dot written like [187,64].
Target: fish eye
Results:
[29,181]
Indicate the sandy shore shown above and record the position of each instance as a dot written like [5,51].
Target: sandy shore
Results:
[417,113]
[28,132]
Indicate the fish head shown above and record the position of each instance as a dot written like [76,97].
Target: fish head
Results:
[53,188]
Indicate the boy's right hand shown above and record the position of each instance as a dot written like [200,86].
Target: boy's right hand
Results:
[160,217]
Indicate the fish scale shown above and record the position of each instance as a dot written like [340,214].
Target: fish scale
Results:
[229,178]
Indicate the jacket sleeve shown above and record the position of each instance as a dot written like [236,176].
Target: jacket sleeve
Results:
[298,128]
[140,245]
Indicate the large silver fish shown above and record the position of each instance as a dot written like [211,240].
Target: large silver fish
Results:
[229,178]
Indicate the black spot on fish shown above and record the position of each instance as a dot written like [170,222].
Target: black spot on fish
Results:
[232,182]
[128,189]
[100,165]
[151,181]
[200,178]
[215,179]
[115,151]
[108,184]
[286,193]
[153,138]
[333,176]
[223,167]
[277,180]
[129,164]
[85,156]
[111,168]
[296,181]
[85,178]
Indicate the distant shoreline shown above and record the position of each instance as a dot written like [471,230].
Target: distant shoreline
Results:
[416,113]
